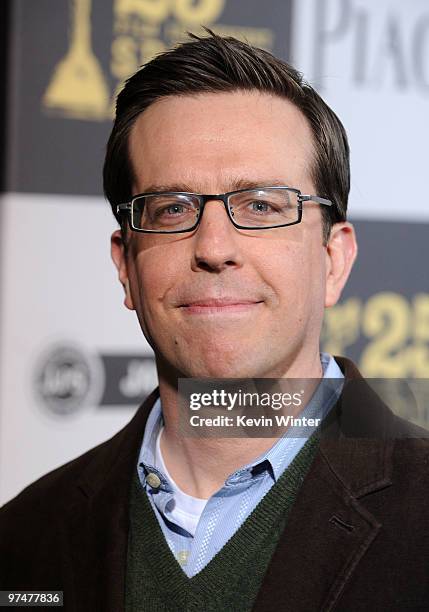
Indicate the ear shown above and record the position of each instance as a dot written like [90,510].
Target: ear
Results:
[341,252]
[117,250]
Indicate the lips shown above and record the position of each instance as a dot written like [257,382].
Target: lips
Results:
[219,302]
[213,306]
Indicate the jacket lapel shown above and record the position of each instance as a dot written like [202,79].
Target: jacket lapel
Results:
[328,532]
[99,523]
[329,529]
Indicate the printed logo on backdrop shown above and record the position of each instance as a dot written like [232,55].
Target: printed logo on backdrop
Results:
[94,45]
[68,379]
[81,88]
[379,46]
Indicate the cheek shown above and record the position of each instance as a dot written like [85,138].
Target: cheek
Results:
[311,271]
[296,276]
[155,273]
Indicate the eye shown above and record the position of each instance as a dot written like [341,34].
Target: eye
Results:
[259,206]
[174,209]
[171,210]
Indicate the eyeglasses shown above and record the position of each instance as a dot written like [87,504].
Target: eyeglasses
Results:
[250,209]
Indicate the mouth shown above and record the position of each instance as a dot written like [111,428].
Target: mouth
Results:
[219,306]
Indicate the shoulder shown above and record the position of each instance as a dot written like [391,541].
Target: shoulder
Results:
[411,449]
[51,519]
[57,488]
[33,525]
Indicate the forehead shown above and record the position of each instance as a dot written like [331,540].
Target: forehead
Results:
[209,141]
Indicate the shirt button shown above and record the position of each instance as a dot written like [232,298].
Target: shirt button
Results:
[153,480]
[182,556]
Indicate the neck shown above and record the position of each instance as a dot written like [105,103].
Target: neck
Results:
[200,466]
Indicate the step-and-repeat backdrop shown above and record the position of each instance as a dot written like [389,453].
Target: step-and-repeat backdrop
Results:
[74,364]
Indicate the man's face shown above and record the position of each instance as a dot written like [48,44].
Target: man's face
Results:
[219,301]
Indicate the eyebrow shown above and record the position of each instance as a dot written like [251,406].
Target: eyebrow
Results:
[233,185]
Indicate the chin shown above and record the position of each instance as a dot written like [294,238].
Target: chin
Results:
[220,368]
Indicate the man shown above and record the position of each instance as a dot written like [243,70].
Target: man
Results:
[229,176]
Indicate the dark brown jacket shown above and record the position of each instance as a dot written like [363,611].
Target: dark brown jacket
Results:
[357,538]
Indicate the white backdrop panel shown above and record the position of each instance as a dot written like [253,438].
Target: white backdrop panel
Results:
[59,286]
[370,61]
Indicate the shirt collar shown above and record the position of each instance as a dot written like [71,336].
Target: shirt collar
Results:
[273,460]
[288,445]
[146,460]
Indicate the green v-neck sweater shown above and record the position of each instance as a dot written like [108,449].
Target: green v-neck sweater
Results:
[155,581]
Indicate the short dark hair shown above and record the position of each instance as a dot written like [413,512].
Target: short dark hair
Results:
[215,64]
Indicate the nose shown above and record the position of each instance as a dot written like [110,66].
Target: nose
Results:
[216,245]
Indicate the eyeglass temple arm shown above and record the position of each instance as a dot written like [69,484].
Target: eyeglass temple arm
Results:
[123,207]
[313,198]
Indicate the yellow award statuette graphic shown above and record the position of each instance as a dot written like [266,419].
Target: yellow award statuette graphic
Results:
[78,88]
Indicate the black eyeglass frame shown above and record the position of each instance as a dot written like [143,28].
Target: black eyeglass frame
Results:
[127,207]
